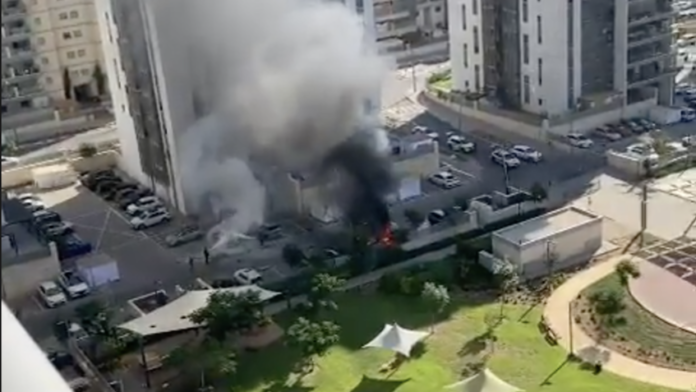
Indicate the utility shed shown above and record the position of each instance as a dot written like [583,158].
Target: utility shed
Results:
[563,238]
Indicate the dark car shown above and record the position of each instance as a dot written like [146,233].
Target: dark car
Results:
[113,194]
[106,187]
[92,180]
[129,198]
[269,232]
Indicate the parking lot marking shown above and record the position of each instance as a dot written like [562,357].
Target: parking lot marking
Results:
[135,240]
[36,301]
[131,234]
[458,171]
[103,229]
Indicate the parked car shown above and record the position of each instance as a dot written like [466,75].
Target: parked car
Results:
[144,203]
[122,187]
[644,151]
[56,229]
[269,232]
[131,197]
[579,140]
[526,153]
[73,284]
[647,124]
[607,133]
[51,295]
[104,188]
[505,158]
[689,141]
[621,129]
[150,218]
[43,217]
[31,202]
[71,246]
[185,235]
[93,179]
[436,216]
[460,143]
[247,276]
[445,180]
[425,131]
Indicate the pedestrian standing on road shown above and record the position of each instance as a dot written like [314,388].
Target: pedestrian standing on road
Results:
[190,263]
[206,256]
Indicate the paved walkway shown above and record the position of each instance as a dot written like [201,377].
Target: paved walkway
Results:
[556,313]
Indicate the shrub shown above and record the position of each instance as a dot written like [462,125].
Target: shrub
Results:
[87,150]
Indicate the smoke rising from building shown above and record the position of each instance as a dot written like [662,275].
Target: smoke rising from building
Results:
[284,79]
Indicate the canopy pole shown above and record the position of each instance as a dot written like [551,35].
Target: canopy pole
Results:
[143,359]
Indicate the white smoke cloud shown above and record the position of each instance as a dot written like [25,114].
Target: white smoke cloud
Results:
[291,78]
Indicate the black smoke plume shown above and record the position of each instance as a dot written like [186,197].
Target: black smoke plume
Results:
[365,180]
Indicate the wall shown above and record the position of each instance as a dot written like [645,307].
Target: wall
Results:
[628,164]
[19,176]
[487,214]
[442,231]
[418,166]
[21,280]
[49,127]
[589,122]
[464,62]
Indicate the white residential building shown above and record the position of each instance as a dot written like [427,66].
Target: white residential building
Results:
[43,41]
[549,57]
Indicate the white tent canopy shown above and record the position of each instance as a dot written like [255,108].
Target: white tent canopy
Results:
[173,317]
[484,381]
[397,339]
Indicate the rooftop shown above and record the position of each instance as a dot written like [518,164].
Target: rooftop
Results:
[546,225]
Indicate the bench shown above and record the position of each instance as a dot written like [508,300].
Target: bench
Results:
[549,334]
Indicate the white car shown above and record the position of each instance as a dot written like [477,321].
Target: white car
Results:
[526,153]
[579,140]
[51,295]
[9,160]
[689,141]
[445,180]
[150,218]
[424,130]
[643,151]
[31,202]
[459,143]
[505,158]
[247,276]
[73,284]
[143,204]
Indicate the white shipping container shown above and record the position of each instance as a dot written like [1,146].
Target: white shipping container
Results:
[665,116]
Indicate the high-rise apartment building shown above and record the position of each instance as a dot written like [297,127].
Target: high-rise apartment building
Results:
[549,56]
[152,78]
[48,46]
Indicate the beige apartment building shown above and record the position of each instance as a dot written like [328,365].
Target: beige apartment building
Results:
[48,47]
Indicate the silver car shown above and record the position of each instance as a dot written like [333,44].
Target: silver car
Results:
[184,236]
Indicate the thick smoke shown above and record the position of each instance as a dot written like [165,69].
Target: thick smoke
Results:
[290,79]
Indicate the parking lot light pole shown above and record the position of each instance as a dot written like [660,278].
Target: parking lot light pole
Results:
[506,173]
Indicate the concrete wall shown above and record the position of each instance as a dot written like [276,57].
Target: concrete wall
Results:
[487,214]
[587,123]
[19,176]
[442,231]
[418,166]
[22,279]
[52,128]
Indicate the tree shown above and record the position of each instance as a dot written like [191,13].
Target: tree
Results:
[313,338]
[538,192]
[67,84]
[626,270]
[507,281]
[96,319]
[323,287]
[99,79]
[87,150]
[229,312]
[438,296]
[414,217]
[209,359]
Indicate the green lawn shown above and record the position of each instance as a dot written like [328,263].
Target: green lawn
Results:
[522,356]
[644,328]
[443,85]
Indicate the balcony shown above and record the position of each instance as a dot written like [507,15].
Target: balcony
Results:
[387,10]
[12,34]
[12,55]
[651,17]
[648,36]
[16,93]
[13,10]
[14,75]
[648,57]
[652,77]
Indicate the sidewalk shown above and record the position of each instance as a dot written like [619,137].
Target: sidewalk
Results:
[557,315]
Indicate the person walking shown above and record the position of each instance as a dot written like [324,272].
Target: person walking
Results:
[190,263]
[206,256]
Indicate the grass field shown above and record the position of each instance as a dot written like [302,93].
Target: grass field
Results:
[646,330]
[521,356]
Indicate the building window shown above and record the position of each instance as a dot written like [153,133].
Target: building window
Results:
[477,78]
[541,102]
[525,89]
[63,16]
[74,14]
[539,30]
[525,48]
[75,74]
[474,7]
[44,60]
[49,80]
[540,71]
[77,33]
[476,40]
[67,35]
[81,53]
[85,71]
[41,41]
[466,55]
[525,11]
[118,79]
[71,55]
[463,16]
[37,21]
